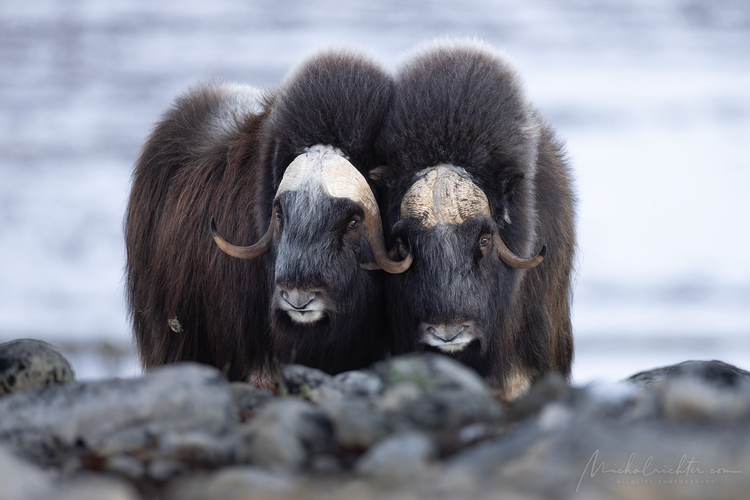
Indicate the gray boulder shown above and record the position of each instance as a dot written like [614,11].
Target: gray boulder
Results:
[26,364]
[155,412]
[401,456]
[248,397]
[309,383]
[285,435]
[432,391]
[698,391]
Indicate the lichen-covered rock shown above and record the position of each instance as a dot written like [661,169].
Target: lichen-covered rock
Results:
[309,383]
[118,416]
[26,364]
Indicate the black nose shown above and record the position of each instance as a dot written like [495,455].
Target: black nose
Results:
[297,298]
[446,333]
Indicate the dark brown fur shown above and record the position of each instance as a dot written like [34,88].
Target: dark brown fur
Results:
[189,171]
[460,104]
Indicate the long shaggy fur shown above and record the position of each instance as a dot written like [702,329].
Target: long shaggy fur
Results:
[460,103]
[222,150]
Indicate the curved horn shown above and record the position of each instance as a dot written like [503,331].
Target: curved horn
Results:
[249,252]
[513,260]
[342,180]
[377,245]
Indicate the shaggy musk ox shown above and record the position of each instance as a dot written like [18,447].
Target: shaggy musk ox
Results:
[281,173]
[479,190]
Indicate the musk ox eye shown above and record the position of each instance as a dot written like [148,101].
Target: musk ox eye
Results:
[484,240]
[352,223]
[278,215]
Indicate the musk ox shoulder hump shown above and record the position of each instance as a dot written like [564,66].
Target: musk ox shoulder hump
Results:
[210,115]
[234,103]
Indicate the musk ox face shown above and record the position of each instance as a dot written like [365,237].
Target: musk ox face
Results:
[461,265]
[321,244]
[325,230]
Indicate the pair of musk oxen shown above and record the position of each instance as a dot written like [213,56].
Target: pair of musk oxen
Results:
[442,176]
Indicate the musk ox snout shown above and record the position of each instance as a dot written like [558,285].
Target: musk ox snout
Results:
[303,305]
[448,338]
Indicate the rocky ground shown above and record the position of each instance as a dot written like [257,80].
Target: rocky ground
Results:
[417,426]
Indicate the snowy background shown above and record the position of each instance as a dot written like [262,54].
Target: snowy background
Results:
[652,98]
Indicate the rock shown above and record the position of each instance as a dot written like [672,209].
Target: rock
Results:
[199,447]
[699,391]
[118,416]
[248,397]
[95,487]
[126,466]
[359,383]
[432,391]
[444,409]
[285,434]
[309,383]
[430,372]
[713,372]
[162,469]
[20,480]
[233,483]
[27,364]
[357,423]
[550,387]
[401,456]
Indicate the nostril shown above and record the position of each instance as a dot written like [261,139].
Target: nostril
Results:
[296,298]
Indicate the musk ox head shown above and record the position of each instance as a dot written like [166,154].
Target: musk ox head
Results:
[326,230]
[460,259]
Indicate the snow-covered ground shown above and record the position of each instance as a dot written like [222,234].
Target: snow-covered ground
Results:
[651,97]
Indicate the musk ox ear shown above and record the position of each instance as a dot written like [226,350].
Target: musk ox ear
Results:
[378,176]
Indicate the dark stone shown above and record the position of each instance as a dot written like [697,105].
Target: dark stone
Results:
[118,416]
[715,372]
[26,364]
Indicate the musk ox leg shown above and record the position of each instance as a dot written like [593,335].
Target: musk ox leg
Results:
[516,385]
[265,380]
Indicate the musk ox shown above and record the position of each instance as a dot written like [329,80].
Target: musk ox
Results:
[281,173]
[478,188]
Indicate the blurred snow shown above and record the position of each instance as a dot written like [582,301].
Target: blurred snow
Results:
[651,97]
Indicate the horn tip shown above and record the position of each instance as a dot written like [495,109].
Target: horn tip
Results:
[544,251]
[212,226]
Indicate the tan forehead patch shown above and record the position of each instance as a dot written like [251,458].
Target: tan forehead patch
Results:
[337,176]
[443,195]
